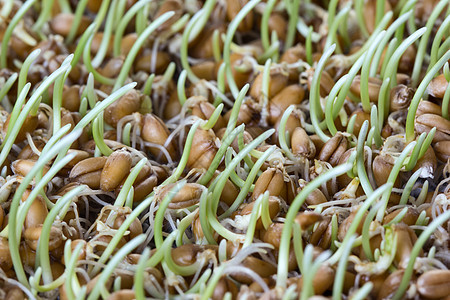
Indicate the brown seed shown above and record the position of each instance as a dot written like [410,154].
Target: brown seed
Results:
[203,149]
[391,285]
[23,166]
[62,24]
[37,213]
[88,171]
[112,67]
[155,131]
[187,254]
[290,95]
[188,195]
[124,106]
[96,42]
[122,295]
[117,167]
[261,267]
[73,246]
[381,170]
[15,293]
[278,80]
[29,125]
[274,209]
[345,225]
[321,236]
[223,286]
[32,235]
[71,98]
[322,280]
[437,86]
[428,163]
[5,255]
[374,87]
[273,234]
[248,114]
[425,122]
[240,69]
[434,284]
[233,8]
[315,197]
[361,116]
[406,240]
[204,110]
[428,107]
[202,46]
[334,149]
[301,144]
[205,70]
[229,192]
[271,180]
[400,97]
[370,13]
[291,56]
[410,217]
[166,6]
[307,218]
[442,150]
[148,63]
[326,82]
[127,43]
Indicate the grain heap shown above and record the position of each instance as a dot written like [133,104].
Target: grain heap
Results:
[225,149]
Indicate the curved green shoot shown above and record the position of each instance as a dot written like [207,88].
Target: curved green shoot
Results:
[314,97]
[420,55]
[424,236]
[9,30]
[409,130]
[111,266]
[283,255]
[137,45]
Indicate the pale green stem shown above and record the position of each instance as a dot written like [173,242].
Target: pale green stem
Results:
[25,67]
[81,6]
[137,46]
[9,30]
[293,18]
[113,263]
[392,177]
[282,132]
[392,65]
[99,108]
[248,183]
[180,87]
[424,236]
[418,63]
[42,256]
[381,46]
[443,29]
[362,174]
[13,211]
[408,187]
[265,24]
[255,215]
[184,157]
[338,284]
[365,72]
[138,286]
[232,27]
[314,97]
[124,22]
[283,256]
[409,128]
[44,16]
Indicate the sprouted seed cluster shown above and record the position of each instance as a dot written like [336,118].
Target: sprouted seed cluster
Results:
[225,149]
